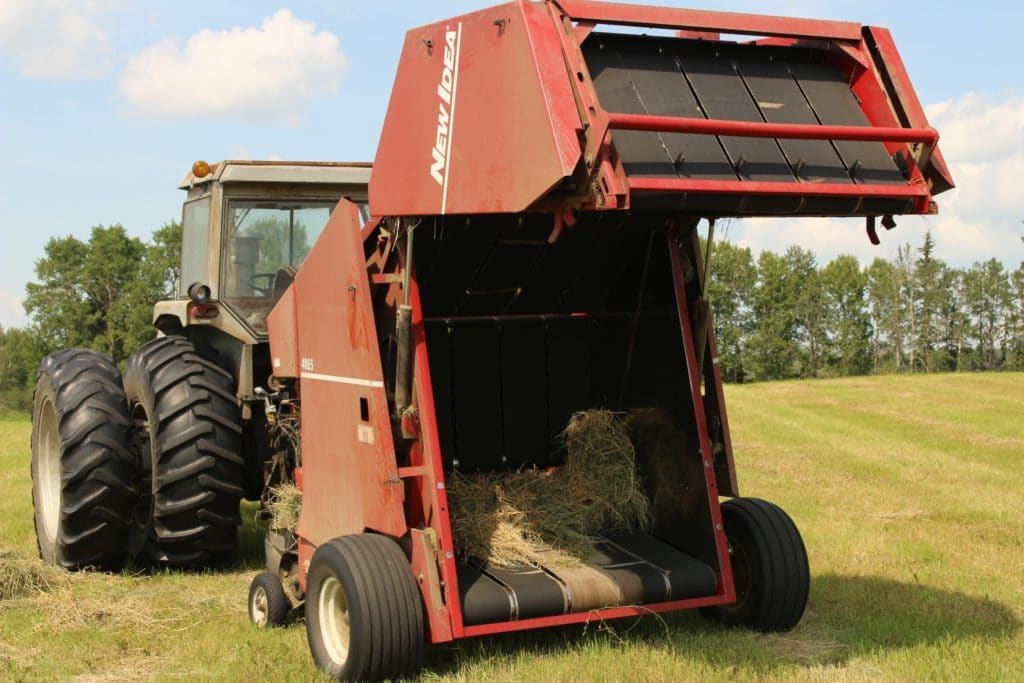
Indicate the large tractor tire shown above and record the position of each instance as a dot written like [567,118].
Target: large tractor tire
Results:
[769,566]
[364,618]
[83,471]
[188,440]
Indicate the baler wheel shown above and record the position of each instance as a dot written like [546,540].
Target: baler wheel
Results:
[769,564]
[364,618]
[268,605]
[82,468]
[188,444]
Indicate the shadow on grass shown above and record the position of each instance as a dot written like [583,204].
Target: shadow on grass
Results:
[847,616]
[250,539]
[251,556]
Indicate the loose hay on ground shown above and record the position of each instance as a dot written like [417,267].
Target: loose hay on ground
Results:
[20,575]
[535,516]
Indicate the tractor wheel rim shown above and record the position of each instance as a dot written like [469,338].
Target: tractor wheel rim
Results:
[48,470]
[334,624]
[260,611]
[142,512]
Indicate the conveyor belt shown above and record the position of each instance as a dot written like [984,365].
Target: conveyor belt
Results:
[627,568]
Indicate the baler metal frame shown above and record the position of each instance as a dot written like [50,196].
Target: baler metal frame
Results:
[373,455]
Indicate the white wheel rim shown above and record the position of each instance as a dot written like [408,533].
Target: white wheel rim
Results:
[260,610]
[334,626]
[48,469]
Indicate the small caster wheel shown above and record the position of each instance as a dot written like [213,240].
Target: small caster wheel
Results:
[268,605]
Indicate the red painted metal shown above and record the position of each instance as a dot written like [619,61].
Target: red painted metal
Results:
[726,584]
[424,567]
[284,336]
[510,108]
[902,96]
[427,452]
[708,21]
[340,364]
[765,188]
[755,129]
[714,378]
[603,170]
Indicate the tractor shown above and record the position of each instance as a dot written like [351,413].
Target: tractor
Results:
[531,252]
[150,467]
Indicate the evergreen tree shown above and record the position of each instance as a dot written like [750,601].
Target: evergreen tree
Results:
[929,303]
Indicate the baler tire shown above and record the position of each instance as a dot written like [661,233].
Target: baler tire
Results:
[268,604]
[770,567]
[377,631]
[83,472]
[188,442]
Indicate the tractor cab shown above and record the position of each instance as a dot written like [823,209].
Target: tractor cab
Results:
[247,227]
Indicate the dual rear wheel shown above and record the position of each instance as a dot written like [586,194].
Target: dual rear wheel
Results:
[148,470]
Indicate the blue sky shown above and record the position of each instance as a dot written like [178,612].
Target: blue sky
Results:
[103,110]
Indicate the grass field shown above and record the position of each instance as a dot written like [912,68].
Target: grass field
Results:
[909,492]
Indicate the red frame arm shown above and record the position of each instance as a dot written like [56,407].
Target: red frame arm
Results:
[756,129]
[709,21]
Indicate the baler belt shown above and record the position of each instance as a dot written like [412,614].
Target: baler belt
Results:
[690,79]
[627,568]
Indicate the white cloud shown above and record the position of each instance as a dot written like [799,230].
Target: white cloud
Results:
[56,39]
[270,73]
[982,140]
[11,312]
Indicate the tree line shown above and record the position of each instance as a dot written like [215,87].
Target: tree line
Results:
[97,293]
[779,316]
[782,316]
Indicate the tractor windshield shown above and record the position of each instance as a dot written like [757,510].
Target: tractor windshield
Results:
[265,243]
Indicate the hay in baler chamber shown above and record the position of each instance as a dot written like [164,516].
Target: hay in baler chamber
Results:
[536,516]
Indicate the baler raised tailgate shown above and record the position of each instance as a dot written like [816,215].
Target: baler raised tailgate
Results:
[558,105]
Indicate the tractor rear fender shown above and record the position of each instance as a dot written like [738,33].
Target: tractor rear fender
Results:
[168,315]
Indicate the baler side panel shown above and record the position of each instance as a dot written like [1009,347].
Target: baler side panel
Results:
[350,475]
[510,107]
[284,336]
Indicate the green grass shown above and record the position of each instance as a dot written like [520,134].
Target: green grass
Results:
[909,492]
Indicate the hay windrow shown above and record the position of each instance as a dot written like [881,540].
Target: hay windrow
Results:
[284,504]
[21,575]
[536,516]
